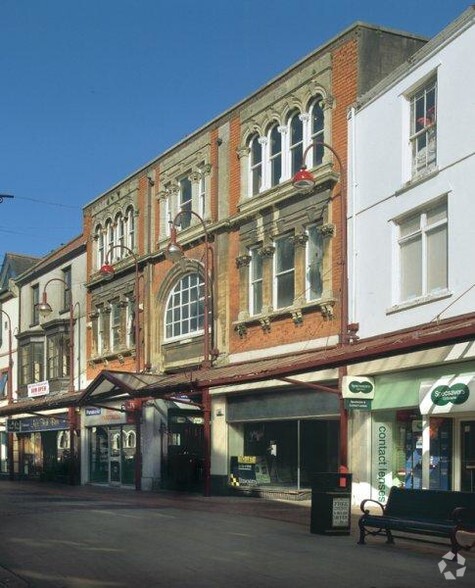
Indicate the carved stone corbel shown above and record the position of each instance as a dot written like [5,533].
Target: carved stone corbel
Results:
[242,152]
[327,311]
[243,260]
[265,324]
[299,239]
[328,230]
[267,251]
[297,317]
[241,329]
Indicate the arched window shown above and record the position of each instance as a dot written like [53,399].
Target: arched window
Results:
[255,165]
[120,235]
[317,130]
[100,259]
[130,227]
[295,142]
[275,155]
[184,313]
[131,439]
[110,237]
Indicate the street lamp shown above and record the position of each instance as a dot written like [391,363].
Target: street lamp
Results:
[305,181]
[45,309]
[9,392]
[107,272]
[174,253]
[3,196]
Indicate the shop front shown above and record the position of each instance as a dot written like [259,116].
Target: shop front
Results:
[278,440]
[111,438]
[43,447]
[423,430]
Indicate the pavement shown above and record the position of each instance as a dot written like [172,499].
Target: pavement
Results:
[284,526]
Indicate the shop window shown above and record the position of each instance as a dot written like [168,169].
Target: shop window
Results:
[423,252]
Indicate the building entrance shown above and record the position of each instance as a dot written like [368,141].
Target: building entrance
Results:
[468,456]
[112,454]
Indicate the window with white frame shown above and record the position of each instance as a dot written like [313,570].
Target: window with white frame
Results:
[255,159]
[110,241]
[31,361]
[278,155]
[423,255]
[202,195]
[35,300]
[423,131]
[314,263]
[58,359]
[130,227]
[284,272]
[186,202]
[115,331]
[255,281]
[317,129]
[295,142]
[120,235]
[100,244]
[67,292]
[184,314]
[130,322]
[275,155]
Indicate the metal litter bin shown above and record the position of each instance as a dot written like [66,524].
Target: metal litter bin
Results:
[331,503]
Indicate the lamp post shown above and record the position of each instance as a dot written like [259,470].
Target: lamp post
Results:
[305,181]
[10,393]
[3,196]
[174,252]
[45,309]
[107,271]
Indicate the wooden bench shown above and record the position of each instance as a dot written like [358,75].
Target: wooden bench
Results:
[431,513]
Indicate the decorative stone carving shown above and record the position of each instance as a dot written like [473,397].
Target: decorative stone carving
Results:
[241,329]
[242,152]
[267,251]
[265,324]
[328,230]
[297,316]
[299,239]
[327,310]
[205,169]
[194,177]
[243,261]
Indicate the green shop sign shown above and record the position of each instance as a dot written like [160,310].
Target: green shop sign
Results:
[455,394]
[360,387]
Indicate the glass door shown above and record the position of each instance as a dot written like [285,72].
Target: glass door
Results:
[468,456]
[115,455]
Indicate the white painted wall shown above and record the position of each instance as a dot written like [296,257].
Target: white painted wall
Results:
[379,169]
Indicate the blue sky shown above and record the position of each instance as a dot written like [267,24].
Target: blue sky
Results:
[91,90]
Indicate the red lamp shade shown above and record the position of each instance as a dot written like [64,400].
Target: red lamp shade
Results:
[303,180]
[107,271]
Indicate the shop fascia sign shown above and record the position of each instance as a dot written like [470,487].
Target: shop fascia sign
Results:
[447,394]
[38,389]
[358,392]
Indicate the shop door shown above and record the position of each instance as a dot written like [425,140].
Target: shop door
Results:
[468,456]
[115,455]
